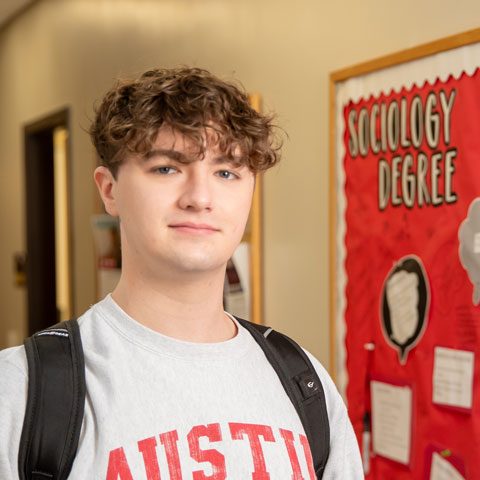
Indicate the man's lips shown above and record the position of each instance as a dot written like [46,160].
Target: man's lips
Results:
[194,228]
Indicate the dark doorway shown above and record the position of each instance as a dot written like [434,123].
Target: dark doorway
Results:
[42,270]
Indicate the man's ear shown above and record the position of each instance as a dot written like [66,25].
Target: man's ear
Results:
[106,184]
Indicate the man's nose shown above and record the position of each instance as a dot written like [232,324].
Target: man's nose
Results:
[196,194]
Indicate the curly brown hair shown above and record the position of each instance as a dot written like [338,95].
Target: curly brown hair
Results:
[188,100]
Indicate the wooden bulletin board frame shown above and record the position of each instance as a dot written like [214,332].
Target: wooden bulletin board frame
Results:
[336,78]
[256,238]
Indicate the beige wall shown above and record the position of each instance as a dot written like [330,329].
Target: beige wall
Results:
[66,53]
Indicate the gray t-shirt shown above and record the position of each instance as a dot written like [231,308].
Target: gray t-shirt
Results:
[160,408]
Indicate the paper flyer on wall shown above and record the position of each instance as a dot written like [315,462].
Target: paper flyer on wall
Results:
[391,420]
[453,377]
[442,469]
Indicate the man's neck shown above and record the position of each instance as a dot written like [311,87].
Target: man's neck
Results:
[189,307]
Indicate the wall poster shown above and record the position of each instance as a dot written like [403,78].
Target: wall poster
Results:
[405,272]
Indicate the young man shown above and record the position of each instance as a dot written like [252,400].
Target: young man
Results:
[177,388]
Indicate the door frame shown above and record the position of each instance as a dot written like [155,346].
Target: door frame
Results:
[40,218]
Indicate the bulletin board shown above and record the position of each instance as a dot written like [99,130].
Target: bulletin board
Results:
[405,257]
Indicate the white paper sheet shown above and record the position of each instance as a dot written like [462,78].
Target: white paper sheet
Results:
[402,296]
[443,470]
[391,420]
[453,377]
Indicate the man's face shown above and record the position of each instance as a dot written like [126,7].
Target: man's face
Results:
[180,217]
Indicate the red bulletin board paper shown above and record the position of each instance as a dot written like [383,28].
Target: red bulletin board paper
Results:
[379,236]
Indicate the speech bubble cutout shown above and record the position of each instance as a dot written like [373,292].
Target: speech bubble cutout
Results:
[405,305]
[469,248]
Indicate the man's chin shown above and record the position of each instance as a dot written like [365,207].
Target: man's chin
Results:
[198,266]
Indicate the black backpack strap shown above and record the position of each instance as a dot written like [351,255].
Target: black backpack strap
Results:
[301,382]
[55,403]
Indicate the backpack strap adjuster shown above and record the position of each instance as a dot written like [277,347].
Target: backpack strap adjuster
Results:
[308,385]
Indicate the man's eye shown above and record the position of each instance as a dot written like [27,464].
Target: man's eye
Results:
[165,170]
[226,175]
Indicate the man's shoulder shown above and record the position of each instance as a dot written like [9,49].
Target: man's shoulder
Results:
[332,395]
[13,394]
[92,324]
[13,362]
[13,378]
[322,372]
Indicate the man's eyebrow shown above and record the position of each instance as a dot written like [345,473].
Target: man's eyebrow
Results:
[236,161]
[164,152]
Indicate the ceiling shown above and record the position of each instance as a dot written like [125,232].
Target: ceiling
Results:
[8,8]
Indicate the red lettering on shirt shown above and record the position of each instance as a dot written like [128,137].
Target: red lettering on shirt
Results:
[214,434]
[147,449]
[239,430]
[118,468]
[169,441]
[308,456]
[287,436]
